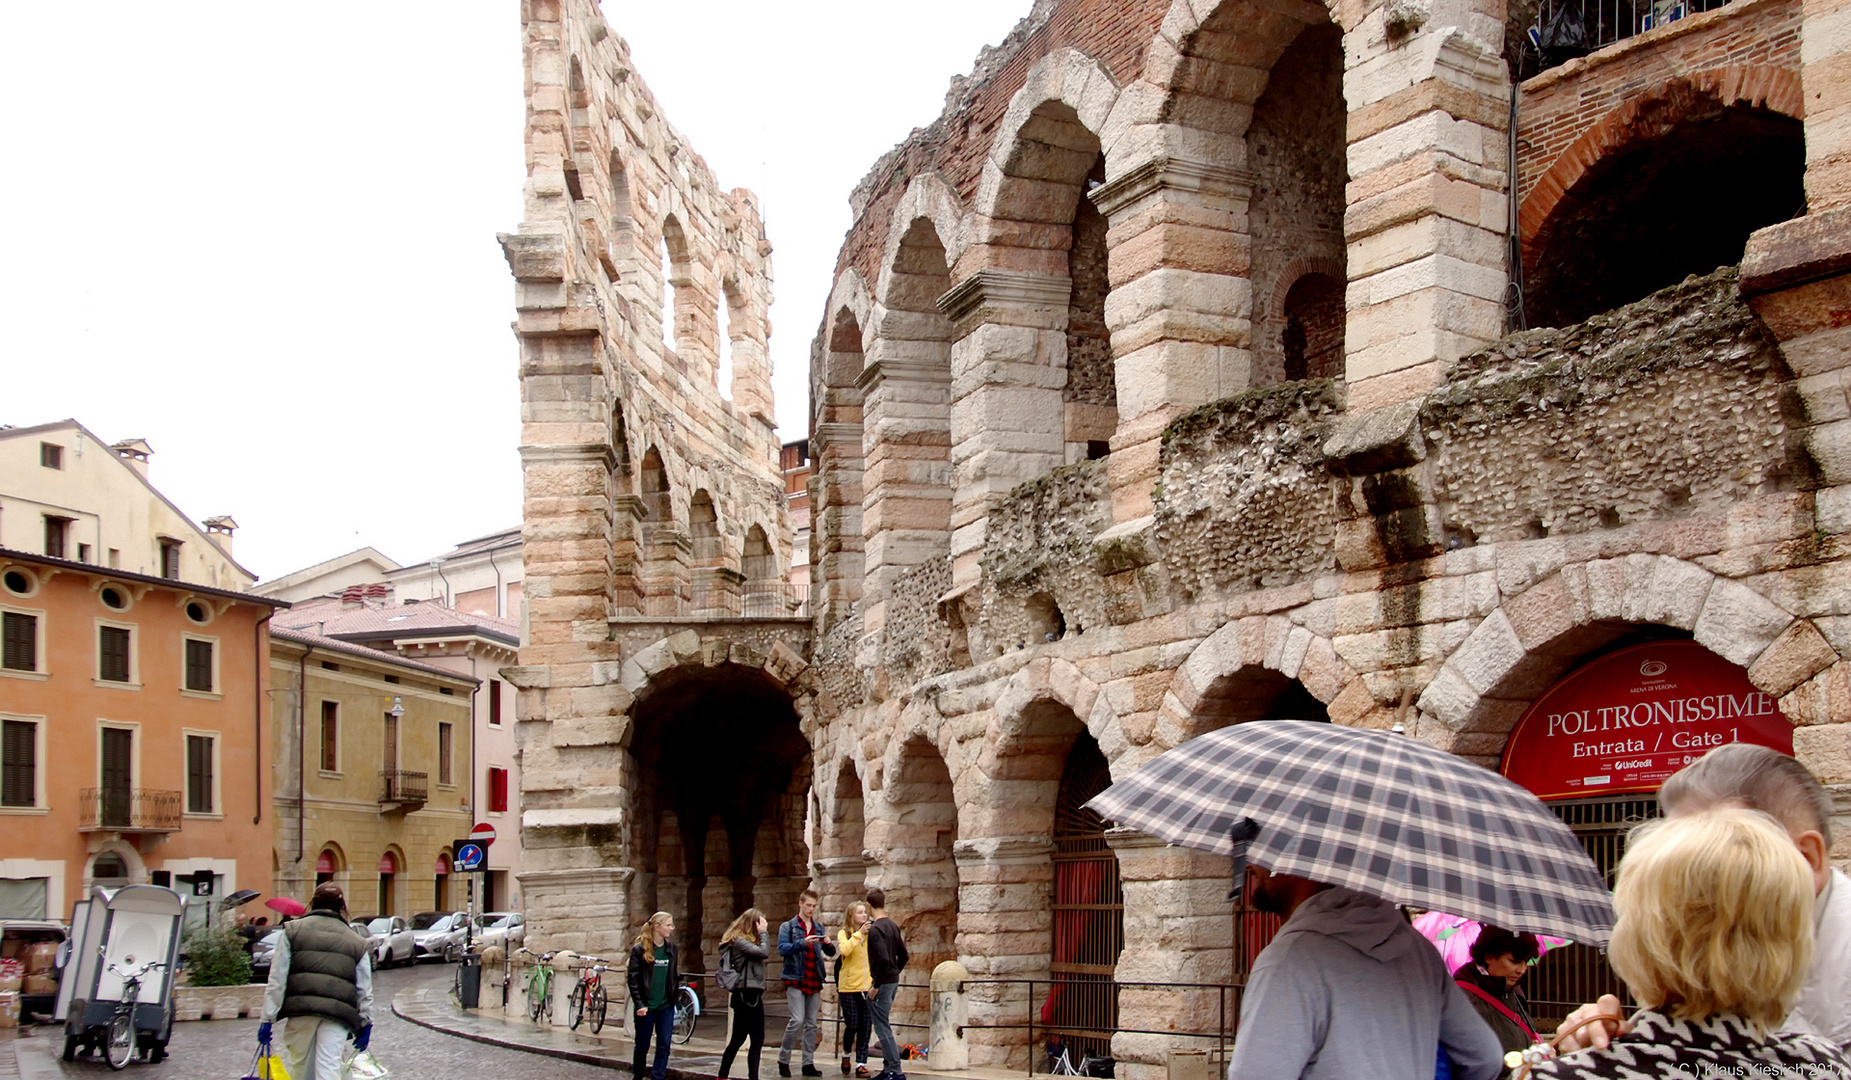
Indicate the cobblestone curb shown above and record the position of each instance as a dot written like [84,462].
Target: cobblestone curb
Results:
[434,1009]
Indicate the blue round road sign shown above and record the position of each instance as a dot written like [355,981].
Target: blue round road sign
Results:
[469,857]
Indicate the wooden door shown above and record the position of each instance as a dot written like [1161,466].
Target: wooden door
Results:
[118,776]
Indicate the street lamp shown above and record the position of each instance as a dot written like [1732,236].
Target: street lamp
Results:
[398,708]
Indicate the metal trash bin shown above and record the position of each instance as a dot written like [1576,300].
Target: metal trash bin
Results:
[469,981]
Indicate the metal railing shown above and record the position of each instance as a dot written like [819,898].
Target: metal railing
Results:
[753,600]
[129,809]
[400,786]
[1566,29]
[1226,1009]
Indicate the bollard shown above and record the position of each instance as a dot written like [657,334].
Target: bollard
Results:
[950,1010]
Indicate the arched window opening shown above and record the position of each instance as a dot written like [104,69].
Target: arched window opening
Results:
[658,511]
[619,254]
[1681,200]
[704,529]
[1045,619]
[1312,340]
[668,294]
[1296,148]
[1081,1009]
[723,367]
[620,446]
[109,870]
[1091,395]
[836,543]
[759,564]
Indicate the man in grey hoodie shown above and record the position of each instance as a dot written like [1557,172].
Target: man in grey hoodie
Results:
[1348,989]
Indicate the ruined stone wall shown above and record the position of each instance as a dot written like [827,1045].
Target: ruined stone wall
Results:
[607,376]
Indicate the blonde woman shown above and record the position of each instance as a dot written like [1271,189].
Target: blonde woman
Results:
[1714,937]
[749,942]
[853,985]
[655,972]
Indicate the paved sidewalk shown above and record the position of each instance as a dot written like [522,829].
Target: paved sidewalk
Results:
[697,1059]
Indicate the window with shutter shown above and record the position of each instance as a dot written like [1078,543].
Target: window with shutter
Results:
[444,740]
[497,790]
[56,531]
[19,764]
[330,736]
[199,774]
[494,702]
[199,665]
[112,650]
[21,650]
[170,559]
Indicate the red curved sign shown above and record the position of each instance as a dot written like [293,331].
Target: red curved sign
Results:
[1630,719]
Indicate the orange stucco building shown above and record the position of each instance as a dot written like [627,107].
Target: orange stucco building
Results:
[136,720]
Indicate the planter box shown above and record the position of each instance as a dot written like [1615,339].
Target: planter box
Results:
[218,1002]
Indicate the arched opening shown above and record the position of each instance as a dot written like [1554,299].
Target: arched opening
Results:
[388,881]
[328,864]
[765,593]
[842,871]
[1045,619]
[1296,148]
[1091,395]
[440,887]
[1680,197]
[1088,909]
[704,530]
[619,255]
[836,541]
[921,873]
[723,354]
[109,870]
[658,509]
[677,322]
[1312,341]
[706,847]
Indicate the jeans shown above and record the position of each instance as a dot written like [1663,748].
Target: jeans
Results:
[883,1028]
[857,1019]
[661,1024]
[748,1022]
[803,1020]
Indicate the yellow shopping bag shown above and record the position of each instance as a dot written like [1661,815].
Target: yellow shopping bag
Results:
[266,1066]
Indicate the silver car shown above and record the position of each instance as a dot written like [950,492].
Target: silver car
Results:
[390,939]
[441,935]
[503,928]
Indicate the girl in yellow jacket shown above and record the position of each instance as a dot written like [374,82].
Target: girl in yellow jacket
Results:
[855,988]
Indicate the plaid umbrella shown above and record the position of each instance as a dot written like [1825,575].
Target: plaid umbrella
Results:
[1380,813]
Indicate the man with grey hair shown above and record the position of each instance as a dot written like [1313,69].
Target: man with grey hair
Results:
[1774,783]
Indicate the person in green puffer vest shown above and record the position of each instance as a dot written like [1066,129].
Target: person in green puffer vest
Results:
[321,982]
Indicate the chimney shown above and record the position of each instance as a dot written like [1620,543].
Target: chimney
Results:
[135,452]
[218,528]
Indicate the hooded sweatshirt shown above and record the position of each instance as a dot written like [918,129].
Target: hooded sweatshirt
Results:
[1348,989]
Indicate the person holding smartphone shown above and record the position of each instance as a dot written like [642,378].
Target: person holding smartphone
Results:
[804,944]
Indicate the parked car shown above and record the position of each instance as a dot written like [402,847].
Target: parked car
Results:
[34,944]
[503,928]
[440,936]
[390,939]
[263,951]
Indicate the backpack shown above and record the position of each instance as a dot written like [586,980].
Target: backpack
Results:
[729,977]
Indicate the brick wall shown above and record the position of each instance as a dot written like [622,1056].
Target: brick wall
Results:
[1570,117]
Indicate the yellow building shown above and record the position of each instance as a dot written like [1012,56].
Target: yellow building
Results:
[383,790]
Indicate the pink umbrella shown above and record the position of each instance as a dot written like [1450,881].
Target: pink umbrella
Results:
[285,906]
[1453,936]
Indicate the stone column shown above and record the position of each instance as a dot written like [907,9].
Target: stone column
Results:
[1429,112]
[906,502]
[1179,928]
[835,523]
[1005,931]
[1008,422]
[587,911]
[1180,309]
[840,882]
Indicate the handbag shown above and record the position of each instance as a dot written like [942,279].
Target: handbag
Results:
[729,977]
[267,1066]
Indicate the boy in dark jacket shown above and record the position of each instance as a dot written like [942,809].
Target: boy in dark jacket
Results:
[804,943]
[886,960]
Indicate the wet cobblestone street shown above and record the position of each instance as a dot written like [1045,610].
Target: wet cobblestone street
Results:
[222,1049]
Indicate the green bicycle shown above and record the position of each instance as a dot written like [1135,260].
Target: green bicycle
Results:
[539,986]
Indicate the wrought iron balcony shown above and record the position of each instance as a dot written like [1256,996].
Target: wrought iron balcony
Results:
[401,788]
[129,810]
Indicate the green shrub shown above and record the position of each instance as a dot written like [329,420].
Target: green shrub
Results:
[217,957]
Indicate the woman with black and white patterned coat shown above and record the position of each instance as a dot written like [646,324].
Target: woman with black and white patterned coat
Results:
[1714,937]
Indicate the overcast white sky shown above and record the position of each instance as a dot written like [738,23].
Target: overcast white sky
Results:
[262,235]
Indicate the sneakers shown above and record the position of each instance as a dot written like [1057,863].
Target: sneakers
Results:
[812,1070]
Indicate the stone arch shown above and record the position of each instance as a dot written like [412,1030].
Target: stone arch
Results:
[704,530]
[1049,678]
[915,832]
[837,442]
[1275,321]
[652,483]
[927,196]
[906,417]
[1044,150]
[1210,62]
[1759,110]
[1534,636]
[1272,643]
[134,867]
[676,265]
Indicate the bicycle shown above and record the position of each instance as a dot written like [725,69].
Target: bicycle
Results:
[687,1012]
[540,985]
[120,1049]
[588,1000]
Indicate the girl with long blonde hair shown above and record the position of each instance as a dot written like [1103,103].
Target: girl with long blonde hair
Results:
[654,975]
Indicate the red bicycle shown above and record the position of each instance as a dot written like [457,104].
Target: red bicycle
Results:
[587,1000]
